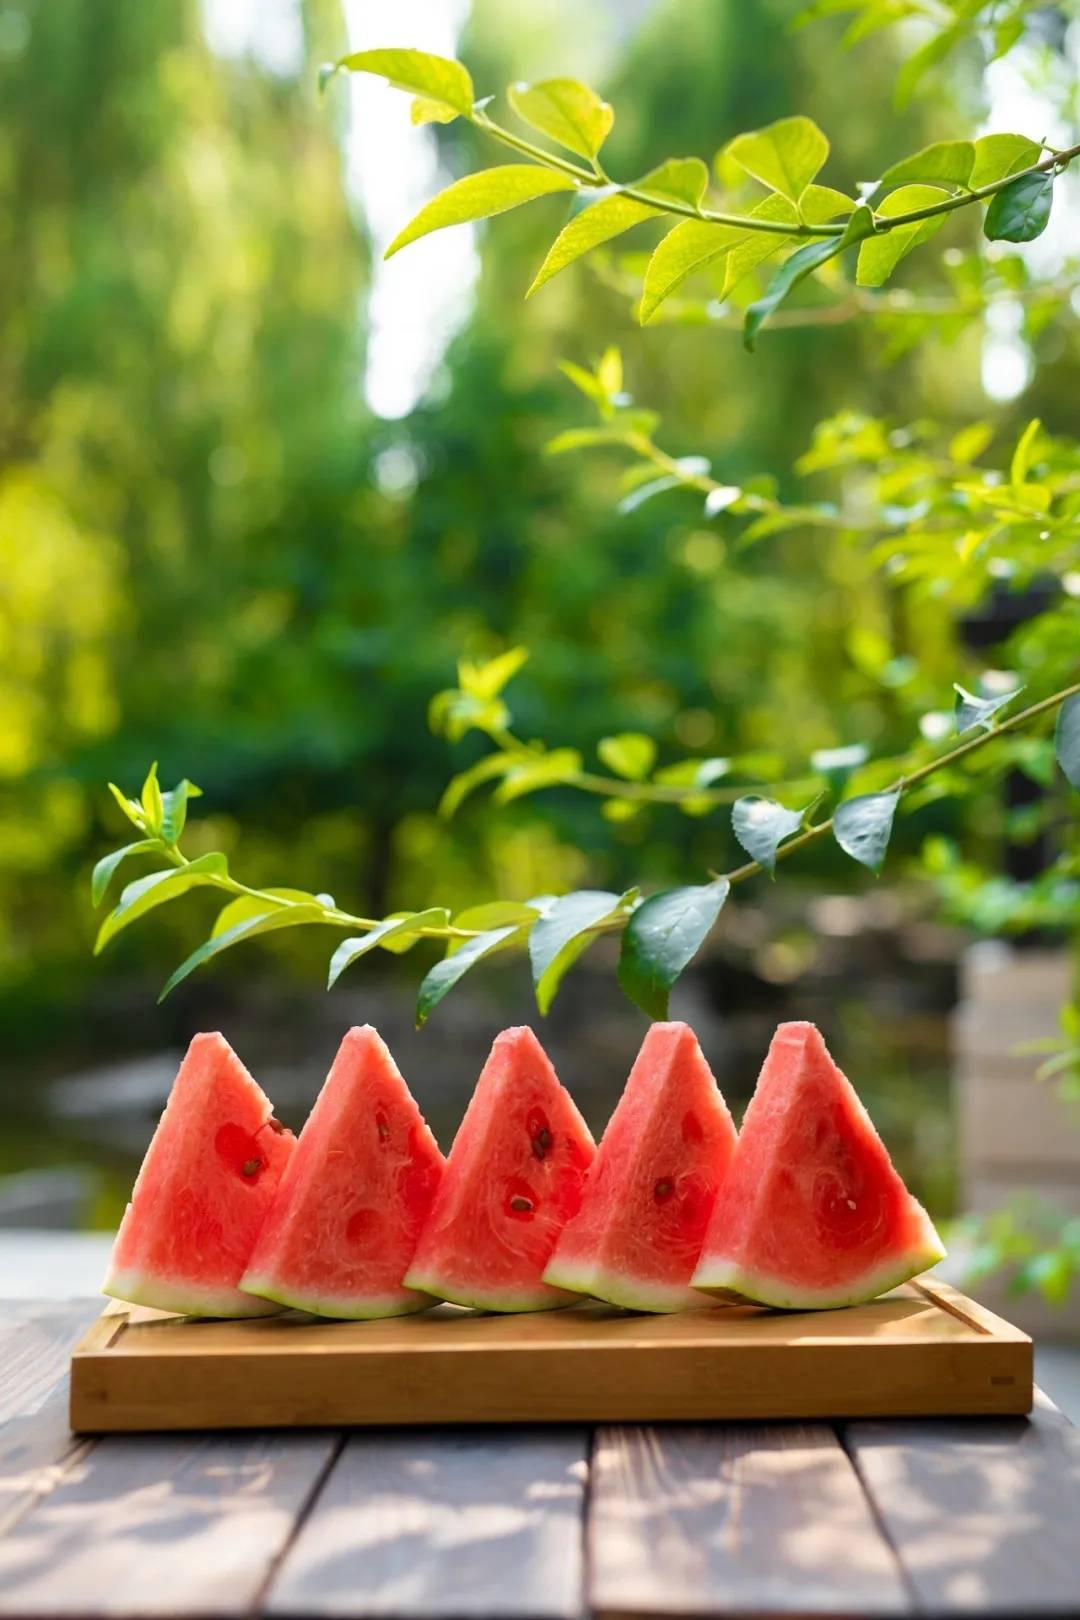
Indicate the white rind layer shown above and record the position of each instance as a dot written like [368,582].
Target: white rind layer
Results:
[629,1293]
[340,1307]
[718,1276]
[543,1299]
[182,1297]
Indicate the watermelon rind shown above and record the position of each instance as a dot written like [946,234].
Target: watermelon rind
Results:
[350,1309]
[628,1293]
[183,1298]
[724,1279]
[541,1299]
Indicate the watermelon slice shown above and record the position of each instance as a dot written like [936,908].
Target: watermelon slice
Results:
[203,1192]
[512,1181]
[636,1239]
[812,1214]
[348,1210]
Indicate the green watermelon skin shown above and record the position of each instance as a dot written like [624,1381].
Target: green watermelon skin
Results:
[812,1215]
[513,1179]
[636,1239]
[203,1192]
[349,1208]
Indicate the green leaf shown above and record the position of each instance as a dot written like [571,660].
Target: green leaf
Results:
[425,111]
[946,163]
[761,825]
[586,439]
[1021,211]
[152,803]
[798,267]
[998,156]
[486,681]
[174,809]
[1024,455]
[820,204]
[1067,739]
[701,773]
[566,110]
[145,893]
[434,78]
[485,770]
[631,754]
[785,156]
[403,927]
[539,771]
[102,874]
[979,711]
[662,937]
[862,827]
[263,922]
[684,179]
[599,223]
[881,253]
[688,246]
[246,906]
[919,63]
[479,196]
[445,974]
[563,934]
[132,809]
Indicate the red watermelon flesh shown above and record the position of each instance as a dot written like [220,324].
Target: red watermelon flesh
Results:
[812,1213]
[203,1192]
[636,1239]
[512,1181]
[349,1208]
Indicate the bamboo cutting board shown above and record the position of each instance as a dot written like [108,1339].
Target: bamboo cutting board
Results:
[923,1350]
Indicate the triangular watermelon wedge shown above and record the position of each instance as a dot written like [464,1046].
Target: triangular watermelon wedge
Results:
[348,1210]
[512,1181]
[636,1239]
[203,1192]
[812,1214]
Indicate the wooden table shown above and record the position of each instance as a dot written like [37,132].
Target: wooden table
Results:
[966,1516]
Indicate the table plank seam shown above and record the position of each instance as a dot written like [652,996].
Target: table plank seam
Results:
[879,1521]
[306,1508]
[47,1478]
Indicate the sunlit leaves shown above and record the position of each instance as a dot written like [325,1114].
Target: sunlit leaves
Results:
[863,826]
[662,937]
[1023,458]
[433,78]
[1067,739]
[761,825]
[567,111]
[881,253]
[691,245]
[153,805]
[475,703]
[798,267]
[478,196]
[998,156]
[1021,211]
[599,223]
[683,179]
[945,163]
[174,805]
[540,770]
[265,921]
[403,929]
[102,874]
[630,754]
[447,973]
[567,929]
[145,893]
[980,711]
[785,156]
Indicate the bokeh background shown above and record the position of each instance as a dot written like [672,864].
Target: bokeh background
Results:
[260,490]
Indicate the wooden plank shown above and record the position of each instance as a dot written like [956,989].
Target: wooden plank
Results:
[140,1525]
[444,1524]
[911,1353]
[734,1520]
[35,1438]
[984,1515]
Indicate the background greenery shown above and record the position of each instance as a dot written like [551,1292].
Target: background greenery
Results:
[216,555]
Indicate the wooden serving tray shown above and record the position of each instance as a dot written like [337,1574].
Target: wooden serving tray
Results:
[923,1350]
